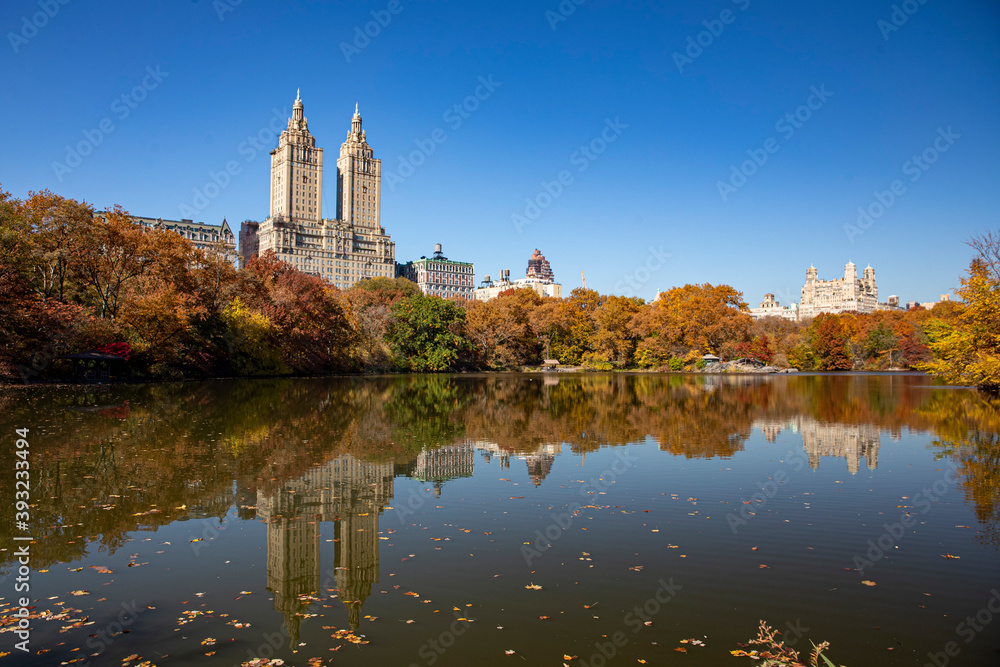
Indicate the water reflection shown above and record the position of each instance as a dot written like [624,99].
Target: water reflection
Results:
[113,460]
[851,442]
[352,494]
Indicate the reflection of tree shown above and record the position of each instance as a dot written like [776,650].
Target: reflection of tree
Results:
[109,461]
[967,426]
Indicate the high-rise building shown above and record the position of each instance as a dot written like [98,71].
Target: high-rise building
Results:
[538,277]
[440,276]
[344,250]
[538,267]
[249,241]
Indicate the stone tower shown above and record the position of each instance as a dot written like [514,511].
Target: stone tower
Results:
[359,179]
[297,171]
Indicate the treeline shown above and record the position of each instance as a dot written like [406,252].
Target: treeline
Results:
[71,283]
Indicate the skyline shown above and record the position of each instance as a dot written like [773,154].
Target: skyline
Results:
[822,112]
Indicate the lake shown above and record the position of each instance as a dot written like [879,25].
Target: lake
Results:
[504,520]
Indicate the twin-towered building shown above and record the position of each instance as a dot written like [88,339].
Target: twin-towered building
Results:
[343,250]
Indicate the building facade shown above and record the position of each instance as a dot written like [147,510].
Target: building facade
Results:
[539,268]
[440,276]
[769,307]
[841,295]
[538,277]
[217,238]
[249,241]
[351,247]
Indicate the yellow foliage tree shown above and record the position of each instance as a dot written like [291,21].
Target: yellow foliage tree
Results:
[968,351]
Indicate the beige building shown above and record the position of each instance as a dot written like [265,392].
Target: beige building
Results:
[841,295]
[771,308]
[219,238]
[344,250]
[440,276]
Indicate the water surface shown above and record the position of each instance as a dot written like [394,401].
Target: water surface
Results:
[450,520]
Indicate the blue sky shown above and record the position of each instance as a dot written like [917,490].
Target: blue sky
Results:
[642,108]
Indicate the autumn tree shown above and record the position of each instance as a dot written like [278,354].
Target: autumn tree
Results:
[968,351]
[500,330]
[695,318]
[371,304]
[829,343]
[59,227]
[615,338]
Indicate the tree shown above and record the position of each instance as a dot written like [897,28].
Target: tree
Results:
[500,330]
[252,341]
[427,333]
[111,256]
[968,351]
[700,318]
[830,344]
[371,304]
[615,339]
[59,226]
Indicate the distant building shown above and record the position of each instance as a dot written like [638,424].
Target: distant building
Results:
[440,276]
[490,289]
[538,277]
[841,295]
[218,238]
[539,268]
[928,305]
[771,308]
[249,242]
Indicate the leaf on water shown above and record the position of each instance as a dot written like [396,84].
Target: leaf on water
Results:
[867,582]
[533,587]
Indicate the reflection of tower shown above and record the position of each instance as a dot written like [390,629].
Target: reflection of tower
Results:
[355,495]
[292,553]
[345,490]
[540,464]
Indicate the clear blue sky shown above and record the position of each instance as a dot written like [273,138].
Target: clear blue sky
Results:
[226,67]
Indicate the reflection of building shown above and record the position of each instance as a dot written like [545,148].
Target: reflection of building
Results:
[347,491]
[444,463]
[440,276]
[851,442]
[539,461]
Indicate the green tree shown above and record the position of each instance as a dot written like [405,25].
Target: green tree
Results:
[427,333]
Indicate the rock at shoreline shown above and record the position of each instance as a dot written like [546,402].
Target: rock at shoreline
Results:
[744,366]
